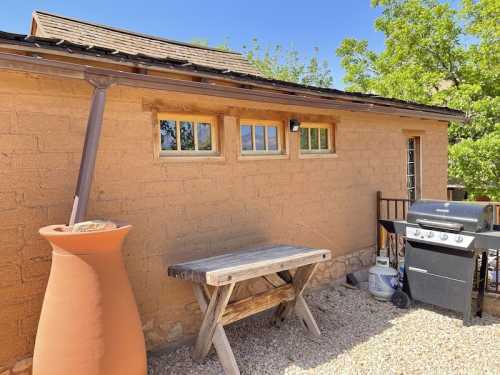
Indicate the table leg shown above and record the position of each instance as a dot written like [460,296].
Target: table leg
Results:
[211,319]
[220,341]
[306,317]
[299,305]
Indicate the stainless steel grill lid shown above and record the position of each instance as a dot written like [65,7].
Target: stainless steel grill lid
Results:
[453,216]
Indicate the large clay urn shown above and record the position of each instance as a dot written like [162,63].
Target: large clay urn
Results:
[89,323]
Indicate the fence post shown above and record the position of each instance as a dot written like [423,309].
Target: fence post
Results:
[379,197]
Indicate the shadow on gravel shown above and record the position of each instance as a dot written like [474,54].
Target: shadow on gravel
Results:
[475,321]
[346,318]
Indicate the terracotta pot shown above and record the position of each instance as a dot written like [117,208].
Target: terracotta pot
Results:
[89,323]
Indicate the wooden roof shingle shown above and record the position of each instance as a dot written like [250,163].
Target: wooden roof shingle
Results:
[85,33]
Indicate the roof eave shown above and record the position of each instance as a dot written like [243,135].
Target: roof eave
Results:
[457,117]
[71,70]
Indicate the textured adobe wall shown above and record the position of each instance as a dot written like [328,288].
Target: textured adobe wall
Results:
[182,210]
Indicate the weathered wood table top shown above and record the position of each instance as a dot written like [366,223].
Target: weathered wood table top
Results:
[247,264]
[272,262]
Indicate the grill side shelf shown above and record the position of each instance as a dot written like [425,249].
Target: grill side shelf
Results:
[393,226]
[488,240]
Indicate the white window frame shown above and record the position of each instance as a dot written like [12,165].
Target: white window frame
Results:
[266,124]
[195,119]
[330,138]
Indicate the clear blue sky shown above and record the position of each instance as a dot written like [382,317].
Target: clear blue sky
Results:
[301,24]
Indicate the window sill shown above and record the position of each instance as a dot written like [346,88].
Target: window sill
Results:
[248,157]
[190,158]
[319,155]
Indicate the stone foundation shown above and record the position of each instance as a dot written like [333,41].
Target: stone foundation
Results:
[21,367]
[337,268]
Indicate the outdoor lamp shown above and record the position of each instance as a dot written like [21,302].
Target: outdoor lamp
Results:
[294,125]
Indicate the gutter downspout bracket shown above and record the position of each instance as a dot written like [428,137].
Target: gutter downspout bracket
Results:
[99,81]
[89,154]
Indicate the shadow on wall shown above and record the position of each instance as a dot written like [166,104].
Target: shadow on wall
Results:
[174,229]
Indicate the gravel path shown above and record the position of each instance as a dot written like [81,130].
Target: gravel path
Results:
[360,336]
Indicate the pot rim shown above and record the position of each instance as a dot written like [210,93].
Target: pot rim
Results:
[55,230]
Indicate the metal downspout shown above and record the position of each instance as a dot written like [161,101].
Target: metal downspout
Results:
[92,136]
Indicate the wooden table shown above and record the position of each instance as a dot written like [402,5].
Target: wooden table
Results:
[273,263]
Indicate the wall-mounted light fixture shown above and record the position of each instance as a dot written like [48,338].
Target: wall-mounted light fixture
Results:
[294,125]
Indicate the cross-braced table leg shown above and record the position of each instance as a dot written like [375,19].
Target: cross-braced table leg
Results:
[211,325]
[220,341]
[299,305]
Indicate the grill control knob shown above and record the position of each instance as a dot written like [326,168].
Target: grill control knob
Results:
[417,232]
[459,238]
[444,236]
[430,234]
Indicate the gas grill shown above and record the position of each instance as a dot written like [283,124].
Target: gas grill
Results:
[444,241]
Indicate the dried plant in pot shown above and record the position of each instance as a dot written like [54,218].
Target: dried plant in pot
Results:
[89,323]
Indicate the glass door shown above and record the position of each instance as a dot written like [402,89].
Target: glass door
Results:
[413,168]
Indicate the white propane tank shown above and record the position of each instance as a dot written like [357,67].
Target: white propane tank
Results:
[383,279]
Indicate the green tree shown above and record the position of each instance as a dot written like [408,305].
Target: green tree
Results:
[286,65]
[204,43]
[283,64]
[477,165]
[441,55]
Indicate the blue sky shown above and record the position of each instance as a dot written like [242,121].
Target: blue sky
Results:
[300,24]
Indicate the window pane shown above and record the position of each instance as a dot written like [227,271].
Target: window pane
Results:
[411,168]
[314,139]
[204,136]
[260,140]
[246,138]
[411,182]
[304,138]
[168,133]
[411,156]
[187,135]
[411,143]
[412,194]
[272,138]
[323,138]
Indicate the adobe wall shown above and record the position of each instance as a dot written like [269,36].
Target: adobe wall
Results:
[183,210]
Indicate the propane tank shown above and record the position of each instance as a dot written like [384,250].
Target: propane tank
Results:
[383,279]
[401,272]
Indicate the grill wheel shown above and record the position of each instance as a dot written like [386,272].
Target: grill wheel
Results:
[400,299]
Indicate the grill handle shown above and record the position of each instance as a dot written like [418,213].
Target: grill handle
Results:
[440,224]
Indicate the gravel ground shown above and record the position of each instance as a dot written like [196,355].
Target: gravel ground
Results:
[359,336]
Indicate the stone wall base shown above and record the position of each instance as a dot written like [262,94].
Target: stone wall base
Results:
[337,268]
[21,367]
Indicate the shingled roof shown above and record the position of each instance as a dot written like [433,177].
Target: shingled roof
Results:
[55,35]
[50,25]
